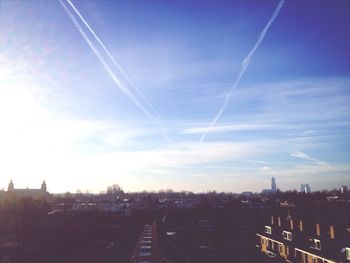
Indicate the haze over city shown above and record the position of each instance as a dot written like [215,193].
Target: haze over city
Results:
[187,95]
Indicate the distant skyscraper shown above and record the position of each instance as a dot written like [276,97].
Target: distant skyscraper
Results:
[273,185]
[343,189]
[305,188]
[308,189]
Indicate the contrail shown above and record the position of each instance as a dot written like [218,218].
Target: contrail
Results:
[244,66]
[111,57]
[124,89]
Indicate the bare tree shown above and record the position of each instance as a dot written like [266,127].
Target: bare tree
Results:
[114,189]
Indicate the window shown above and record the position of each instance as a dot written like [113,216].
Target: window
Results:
[279,221]
[317,244]
[268,230]
[281,249]
[347,251]
[331,232]
[269,244]
[271,220]
[287,235]
[318,229]
[300,225]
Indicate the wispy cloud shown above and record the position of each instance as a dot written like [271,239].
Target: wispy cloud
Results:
[229,128]
[304,156]
[286,109]
[312,171]
[244,67]
[265,168]
[63,119]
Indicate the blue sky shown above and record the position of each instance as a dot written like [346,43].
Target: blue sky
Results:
[65,119]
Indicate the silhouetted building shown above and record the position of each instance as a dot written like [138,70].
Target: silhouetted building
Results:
[273,188]
[305,188]
[28,192]
[273,185]
[10,187]
[266,191]
[343,189]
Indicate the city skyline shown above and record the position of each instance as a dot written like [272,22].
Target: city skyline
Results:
[136,109]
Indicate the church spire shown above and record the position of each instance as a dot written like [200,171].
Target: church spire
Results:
[43,186]
[11,186]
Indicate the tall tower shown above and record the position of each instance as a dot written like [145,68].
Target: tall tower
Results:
[273,185]
[43,186]
[11,186]
[307,189]
[343,189]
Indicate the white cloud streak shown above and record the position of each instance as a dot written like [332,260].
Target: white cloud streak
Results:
[244,66]
[265,168]
[154,117]
[304,156]
[228,128]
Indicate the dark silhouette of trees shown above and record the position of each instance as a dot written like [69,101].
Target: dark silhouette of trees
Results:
[114,189]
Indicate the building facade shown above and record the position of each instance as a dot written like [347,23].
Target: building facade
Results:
[308,237]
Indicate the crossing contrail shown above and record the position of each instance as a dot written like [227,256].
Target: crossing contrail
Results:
[114,61]
[153,117]
[244,65]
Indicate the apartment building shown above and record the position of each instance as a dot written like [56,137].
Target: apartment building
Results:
[318,234]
